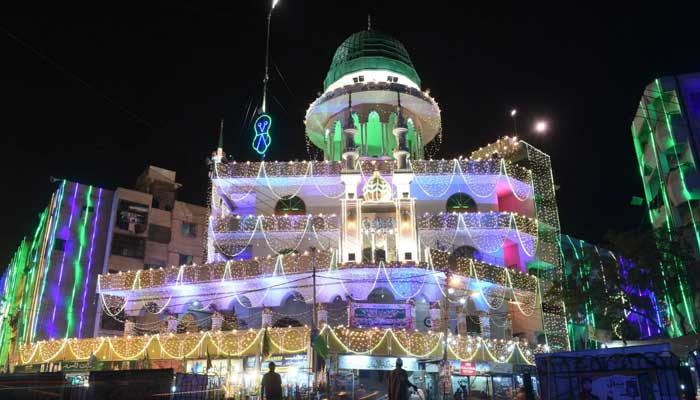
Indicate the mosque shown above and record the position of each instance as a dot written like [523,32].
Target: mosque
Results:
[377,249]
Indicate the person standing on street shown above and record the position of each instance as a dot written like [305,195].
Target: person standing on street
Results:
[271,385]
[398,382]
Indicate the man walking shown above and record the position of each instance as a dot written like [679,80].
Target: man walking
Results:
[398,382]
[271,385]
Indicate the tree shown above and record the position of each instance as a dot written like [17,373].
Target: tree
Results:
[663,262]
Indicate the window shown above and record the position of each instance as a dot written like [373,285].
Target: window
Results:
[128,246]
[154,264]
[461,202]
[189,230]
[290,206]
[89,209]
[158,234]
[132,217]
[59,244]
[185,259]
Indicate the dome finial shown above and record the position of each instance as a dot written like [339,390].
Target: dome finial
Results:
[369,22]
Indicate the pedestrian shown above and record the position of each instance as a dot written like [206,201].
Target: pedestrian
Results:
[271,385]
[398,382]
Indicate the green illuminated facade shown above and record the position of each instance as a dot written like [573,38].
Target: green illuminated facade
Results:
[665,133]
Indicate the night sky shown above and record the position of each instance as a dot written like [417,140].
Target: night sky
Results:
[95,94]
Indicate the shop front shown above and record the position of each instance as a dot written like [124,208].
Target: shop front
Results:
[364,377]
[483,379]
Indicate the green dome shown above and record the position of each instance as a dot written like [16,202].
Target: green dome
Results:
[370,49]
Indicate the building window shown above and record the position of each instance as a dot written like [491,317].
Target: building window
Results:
[185,259]
[460,202]
[59,244]
[128,246]
[158,234]
[132,217]
[290,206]
[189,230]
[154,264]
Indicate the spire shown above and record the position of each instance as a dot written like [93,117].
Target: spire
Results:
[369,22]
[219,155]
[221,135]
[349,123]
[401,123]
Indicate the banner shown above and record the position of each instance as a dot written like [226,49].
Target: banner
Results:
[395,316]
[356,361]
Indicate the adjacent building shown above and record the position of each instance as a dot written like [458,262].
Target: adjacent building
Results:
[666,131]
[50,286]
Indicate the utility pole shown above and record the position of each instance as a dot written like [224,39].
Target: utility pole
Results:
[314,317]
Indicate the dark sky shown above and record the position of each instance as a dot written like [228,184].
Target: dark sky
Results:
[95,94]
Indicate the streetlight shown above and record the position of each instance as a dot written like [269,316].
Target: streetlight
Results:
[541,126]
[514,115]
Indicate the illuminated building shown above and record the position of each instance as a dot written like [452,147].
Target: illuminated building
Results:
[645,315]
[665,131]
[404,255]
[49,287]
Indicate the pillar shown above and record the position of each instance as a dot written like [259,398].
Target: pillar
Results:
[401,150]
[172,324]
[435,317]
[411,314]
[322,316]
[266,317]
[350,154]
[217,321]
[461,321]
[129,328]
[509,326]
[485,322]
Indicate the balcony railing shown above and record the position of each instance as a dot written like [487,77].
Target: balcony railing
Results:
[491,166]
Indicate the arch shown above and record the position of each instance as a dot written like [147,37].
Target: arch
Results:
[188,323]
[390,143]
[292,297]
[411,136]
[381,295]
[460,202]
[290,205]
[337,146]
[285,322]
[374,134]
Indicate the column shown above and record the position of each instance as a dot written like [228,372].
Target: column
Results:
[129,328]
[266,317]
[217,321]
[435,317]
[485,322]
[322,315]
[461,321]
[172,324]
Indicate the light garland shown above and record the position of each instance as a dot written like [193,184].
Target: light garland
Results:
[239,343]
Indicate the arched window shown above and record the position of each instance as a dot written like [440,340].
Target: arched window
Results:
[290,206]
[461,202]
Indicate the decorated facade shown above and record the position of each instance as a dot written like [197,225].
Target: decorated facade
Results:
[387,251]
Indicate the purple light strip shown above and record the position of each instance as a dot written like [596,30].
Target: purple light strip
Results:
[57,291]
[92,248]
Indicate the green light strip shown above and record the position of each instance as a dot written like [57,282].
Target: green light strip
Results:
[678,331]
[49,252]
[687,196]
[77,268]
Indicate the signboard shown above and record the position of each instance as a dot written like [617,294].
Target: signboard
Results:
[394,316]
[473,368]
[375,363]
[283,363]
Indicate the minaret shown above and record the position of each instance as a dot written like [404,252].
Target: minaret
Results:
[219,155]
[349,132]
[400,132]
